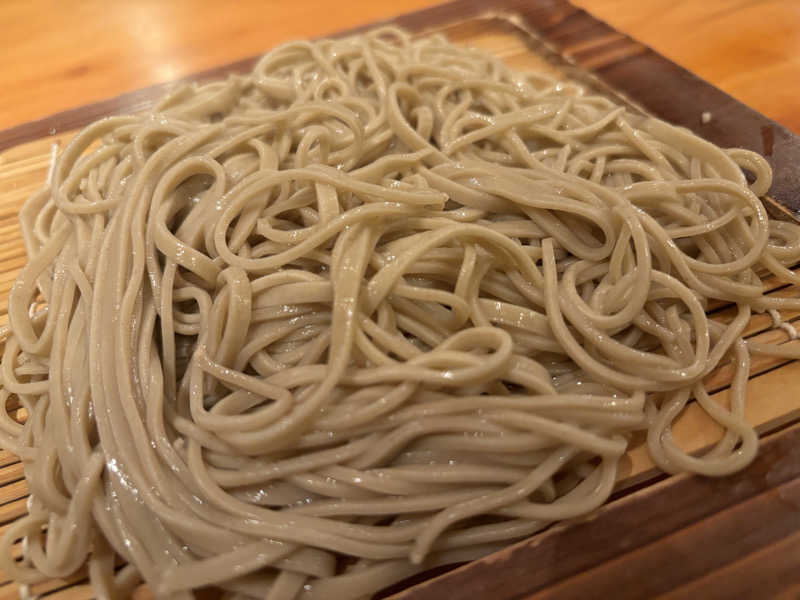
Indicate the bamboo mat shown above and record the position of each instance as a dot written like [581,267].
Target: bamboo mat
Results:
[772,392]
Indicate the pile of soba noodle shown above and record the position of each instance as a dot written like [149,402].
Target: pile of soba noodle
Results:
[381,305]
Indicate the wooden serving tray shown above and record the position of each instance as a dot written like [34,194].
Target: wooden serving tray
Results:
[683,536]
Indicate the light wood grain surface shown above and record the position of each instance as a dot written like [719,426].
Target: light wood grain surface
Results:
[748,48]
[59,55]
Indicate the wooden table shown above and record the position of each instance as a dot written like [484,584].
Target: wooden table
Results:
[58,55]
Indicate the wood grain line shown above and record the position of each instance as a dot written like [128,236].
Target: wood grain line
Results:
[619,527]
[7,458]
[769,573]
[13,510]
[11,473]
[733,532]
[13,491]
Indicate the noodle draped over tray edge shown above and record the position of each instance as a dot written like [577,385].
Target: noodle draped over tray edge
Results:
[382,304]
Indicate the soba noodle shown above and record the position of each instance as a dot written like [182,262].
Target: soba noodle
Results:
[381,305]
